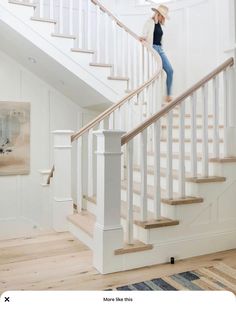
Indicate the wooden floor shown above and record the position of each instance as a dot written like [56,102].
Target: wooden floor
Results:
[60,262]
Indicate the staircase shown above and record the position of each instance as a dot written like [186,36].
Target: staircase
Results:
[154,180]
[55,32]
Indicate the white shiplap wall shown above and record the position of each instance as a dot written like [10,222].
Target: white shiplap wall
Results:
[23,202]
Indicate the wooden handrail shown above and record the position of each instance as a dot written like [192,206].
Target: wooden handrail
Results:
[107,112]
[142,126]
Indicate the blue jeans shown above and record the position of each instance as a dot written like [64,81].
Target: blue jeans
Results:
[167,68]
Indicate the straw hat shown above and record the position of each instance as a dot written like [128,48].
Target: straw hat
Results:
[163,10]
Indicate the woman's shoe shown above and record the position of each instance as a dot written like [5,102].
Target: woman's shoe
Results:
[168,99]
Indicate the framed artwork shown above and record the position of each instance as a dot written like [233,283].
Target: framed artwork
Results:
[14,138]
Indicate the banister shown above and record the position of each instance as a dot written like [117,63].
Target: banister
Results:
[107,112]
[142,126]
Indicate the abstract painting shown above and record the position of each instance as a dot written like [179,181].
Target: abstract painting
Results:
[14,138]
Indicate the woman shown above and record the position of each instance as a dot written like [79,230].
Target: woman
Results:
[152,34]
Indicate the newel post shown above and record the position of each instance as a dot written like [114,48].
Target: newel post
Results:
[108,233]
[62,196]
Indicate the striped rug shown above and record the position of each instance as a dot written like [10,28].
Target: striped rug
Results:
[217,277]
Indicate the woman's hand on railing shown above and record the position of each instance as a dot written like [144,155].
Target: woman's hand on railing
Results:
[142,39]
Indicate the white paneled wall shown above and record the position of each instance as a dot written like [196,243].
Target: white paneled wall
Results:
[21,197]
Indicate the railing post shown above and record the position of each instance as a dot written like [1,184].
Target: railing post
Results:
[108,232]
[62,200]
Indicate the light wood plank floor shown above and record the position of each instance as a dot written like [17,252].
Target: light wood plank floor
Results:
[60,262]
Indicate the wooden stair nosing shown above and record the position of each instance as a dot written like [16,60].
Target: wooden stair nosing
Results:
[83,220]
[198,179]
[118,78]
[175,201]
[100,65]
[40,19]
[67,36]
[133,248]
[210,179]
[223,160]
[82,50]
[183,201]
[159,223]
[26,4]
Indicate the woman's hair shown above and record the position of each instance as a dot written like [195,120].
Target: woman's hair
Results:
[159,14]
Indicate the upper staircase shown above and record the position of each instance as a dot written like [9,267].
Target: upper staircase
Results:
[77,47]
[154,180]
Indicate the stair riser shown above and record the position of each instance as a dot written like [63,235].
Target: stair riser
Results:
[136,200]
[175,147]
[63,43]
[118,86]
[150,181]
[24,12]
[81,57]
[176,164]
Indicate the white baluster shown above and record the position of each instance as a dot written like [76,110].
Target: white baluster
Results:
[157,170]
[51,9]
[169,173]
[182,152]
[114,33]
[61,19]
[205,153]
[80,167]
[91,164]
[123,52]
[130,116]
[107,43]
[143,169]
[98,30]
[111,121]
[71,20]
[226,110]
[193,152]
[143,64]
[129,57]
[101,125]
[129,219]
[80,33]
[89,31]
[216,106]
[41,8]
[135,68]
[138,65]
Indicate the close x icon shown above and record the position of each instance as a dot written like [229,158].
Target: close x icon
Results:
[6,299]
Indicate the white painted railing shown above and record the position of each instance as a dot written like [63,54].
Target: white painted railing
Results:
[197,144]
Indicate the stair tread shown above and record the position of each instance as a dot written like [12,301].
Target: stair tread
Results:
[84,220]
[157,223]
[138,246]
[102,65]
[150,194]
[118,78]
[82,50]
[223,159]
[151,223]
[189,178]
[41,19]
[63,35]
